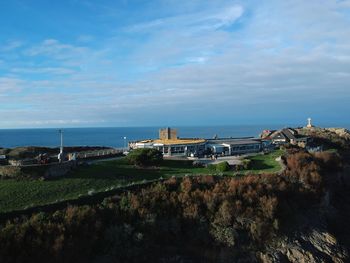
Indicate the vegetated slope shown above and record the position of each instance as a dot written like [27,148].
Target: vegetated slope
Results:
[34,151]
[337,138]
[268,217]
[22,193]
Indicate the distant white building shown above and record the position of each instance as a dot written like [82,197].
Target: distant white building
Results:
[170,145]
[3,159]
[285,136]
[173,147]
[234,146]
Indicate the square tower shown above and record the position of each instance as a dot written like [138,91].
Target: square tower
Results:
[168,134]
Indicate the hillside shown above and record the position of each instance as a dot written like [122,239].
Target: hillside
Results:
[298,215]
[338,138]
[34,151]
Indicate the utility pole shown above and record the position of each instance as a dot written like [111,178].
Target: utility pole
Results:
[124,143]
[60,155]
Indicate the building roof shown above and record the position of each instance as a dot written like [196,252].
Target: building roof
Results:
[174,141]
[267,133]
[234,141]
[288,134]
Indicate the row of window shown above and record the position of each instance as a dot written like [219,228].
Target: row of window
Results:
[245,147]
[181,149]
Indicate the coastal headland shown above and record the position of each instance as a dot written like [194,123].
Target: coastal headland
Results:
[256,208]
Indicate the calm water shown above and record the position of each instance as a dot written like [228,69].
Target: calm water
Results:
[114,136]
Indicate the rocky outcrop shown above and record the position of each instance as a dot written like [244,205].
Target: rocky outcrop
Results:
[314,238]
[316,246]
[341,132]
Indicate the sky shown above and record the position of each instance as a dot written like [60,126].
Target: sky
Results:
[72,63]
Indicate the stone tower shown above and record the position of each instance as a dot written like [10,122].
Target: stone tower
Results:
[167,134]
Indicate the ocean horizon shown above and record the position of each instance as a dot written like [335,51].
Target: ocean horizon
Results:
[114,136]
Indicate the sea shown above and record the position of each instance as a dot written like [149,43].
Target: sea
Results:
[118,137]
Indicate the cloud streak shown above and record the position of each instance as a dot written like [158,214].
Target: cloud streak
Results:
[193,22]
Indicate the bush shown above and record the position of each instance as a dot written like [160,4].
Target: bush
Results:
[145,157]
[246,163]
[239,167]
[211,167]
[197,164]
[223,167]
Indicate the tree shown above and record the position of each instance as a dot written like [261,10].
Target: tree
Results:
[145,157]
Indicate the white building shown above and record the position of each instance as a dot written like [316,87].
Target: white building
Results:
[234,146]
[173,147]
[170,145]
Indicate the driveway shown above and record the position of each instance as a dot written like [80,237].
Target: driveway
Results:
[232,160]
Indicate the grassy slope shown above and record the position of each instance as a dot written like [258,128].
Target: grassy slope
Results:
[100,176]
[265,163]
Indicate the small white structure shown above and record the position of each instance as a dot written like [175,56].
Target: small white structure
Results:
[3,159]
[61,155]
[309,124]
[72,157]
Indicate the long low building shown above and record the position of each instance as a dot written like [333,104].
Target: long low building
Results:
[173,147]
[237,146]
[170,145]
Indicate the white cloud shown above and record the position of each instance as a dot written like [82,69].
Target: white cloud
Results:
[47,70]
[56,50]
[85,38]
[8,84]
[11,45]
[199,60]
[193,22]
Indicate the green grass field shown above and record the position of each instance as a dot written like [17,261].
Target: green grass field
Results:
[265,163]
[19,194]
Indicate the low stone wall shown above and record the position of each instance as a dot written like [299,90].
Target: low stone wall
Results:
[36,171]
[9,171]
[22,162]
[59,169]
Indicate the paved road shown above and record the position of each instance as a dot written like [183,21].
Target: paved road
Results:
[232,160]
[104,160]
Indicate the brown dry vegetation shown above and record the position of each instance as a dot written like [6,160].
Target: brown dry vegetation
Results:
[194,218]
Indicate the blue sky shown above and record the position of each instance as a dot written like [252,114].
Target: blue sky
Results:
[73,63]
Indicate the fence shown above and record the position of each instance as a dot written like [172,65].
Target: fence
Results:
[98,153]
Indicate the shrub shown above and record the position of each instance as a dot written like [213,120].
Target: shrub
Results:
[211,167]
[246,163]
[239,167]
[224,235]
[197,164]
[145,157]
[305,168]
[330,161]
[223,167]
